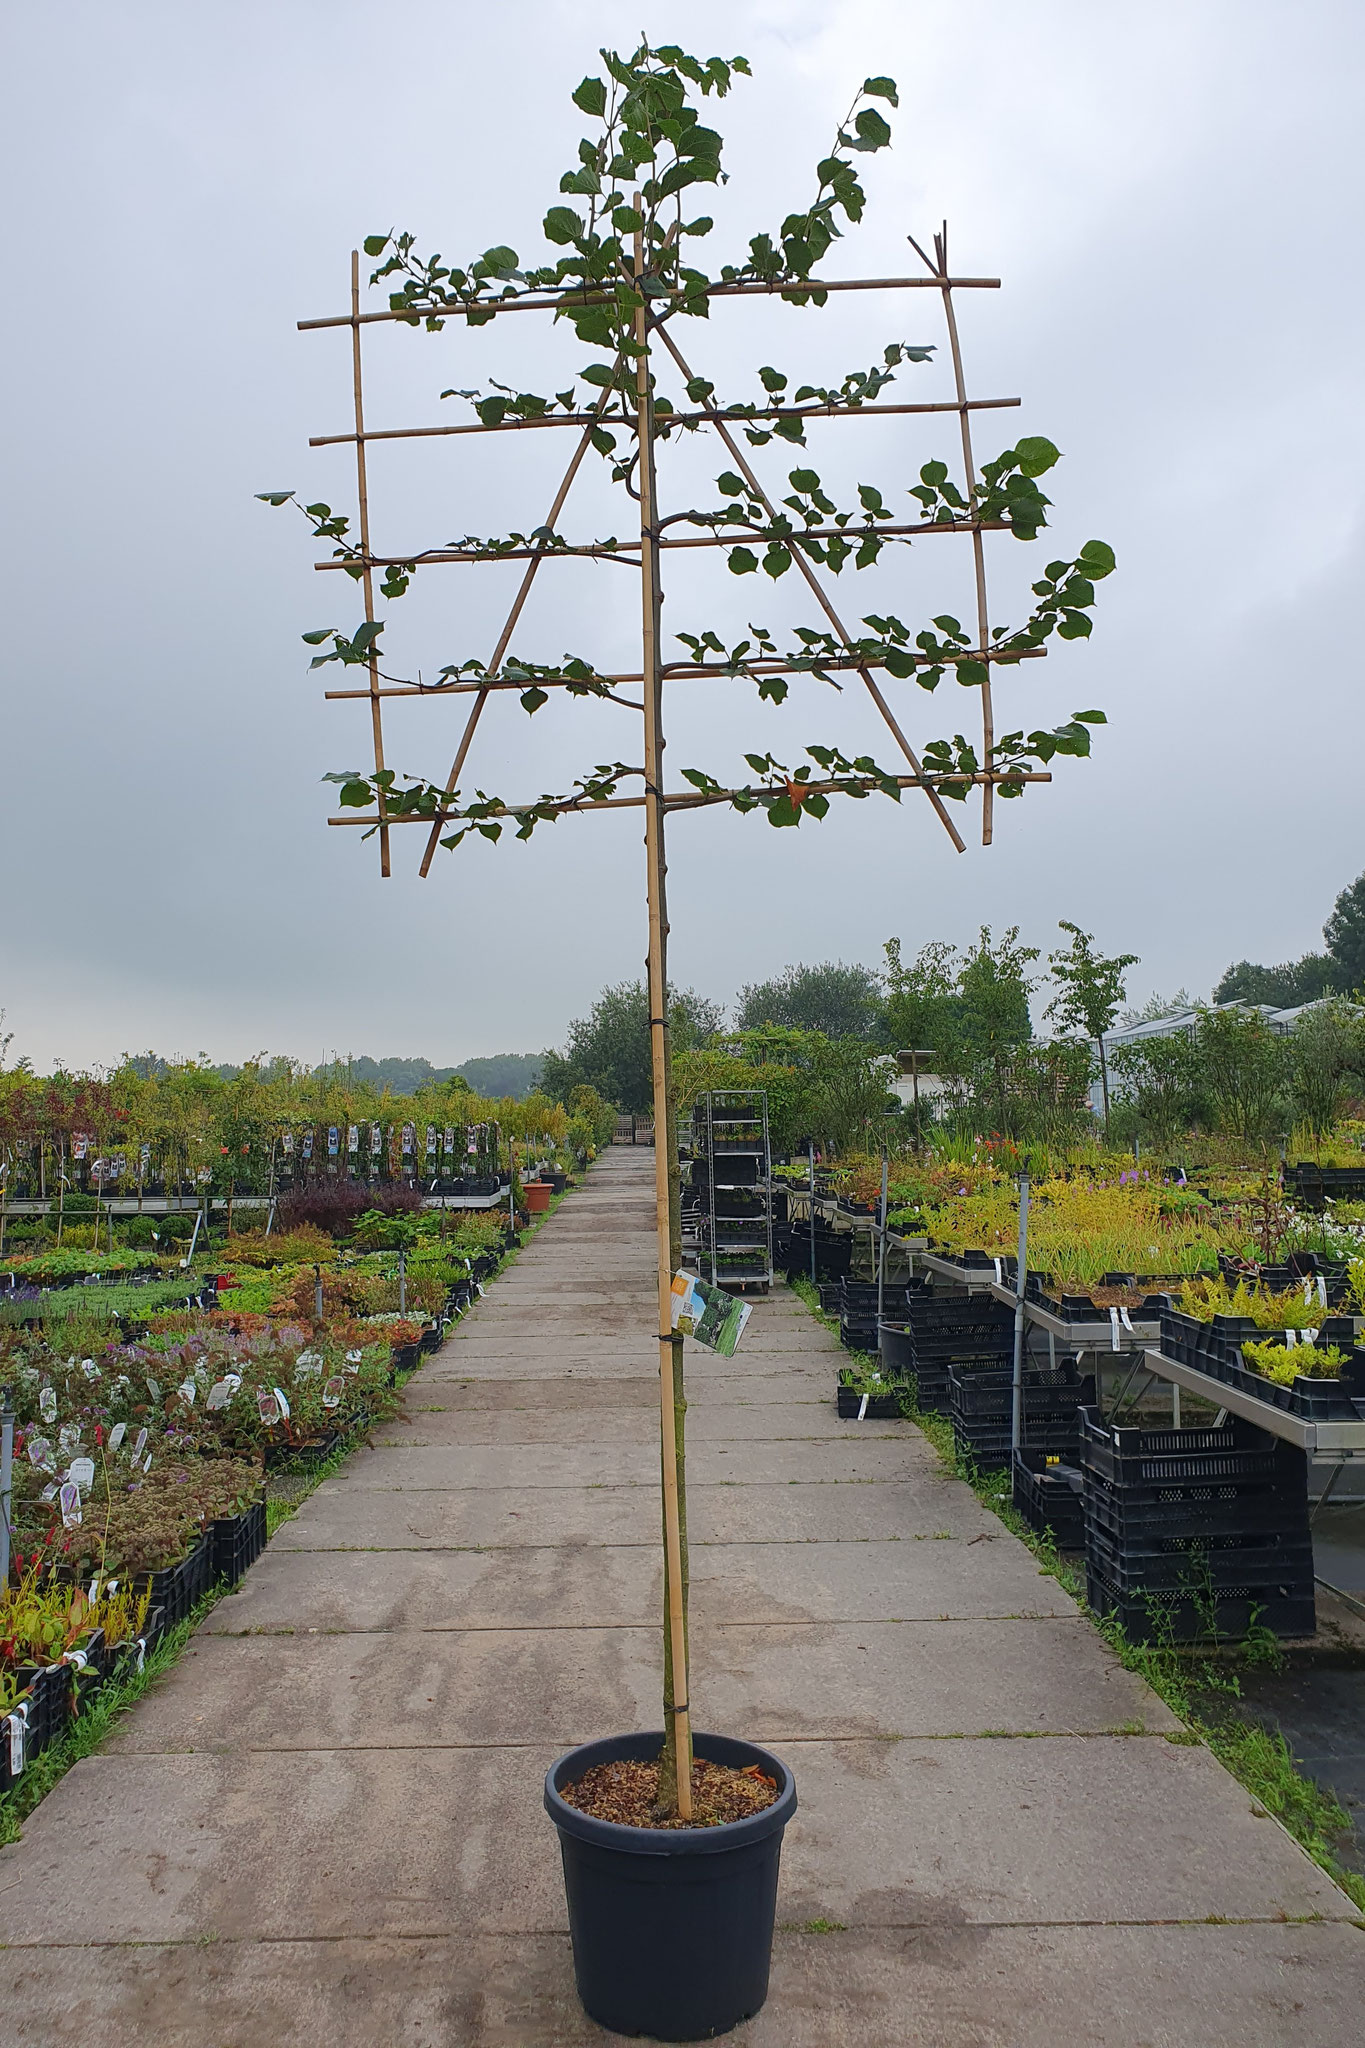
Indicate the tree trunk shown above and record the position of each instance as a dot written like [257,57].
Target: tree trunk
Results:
[1104,1082]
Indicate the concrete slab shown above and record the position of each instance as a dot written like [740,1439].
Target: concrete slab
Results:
[542,1684]
[428,1421]
[929,1576]
[411,1467]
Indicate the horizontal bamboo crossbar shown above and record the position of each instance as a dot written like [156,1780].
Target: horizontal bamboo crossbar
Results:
[691,800]
[626,549]
[673,672]
[578,297]
[676,419]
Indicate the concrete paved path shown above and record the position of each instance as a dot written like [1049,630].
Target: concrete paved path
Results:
[325,1826]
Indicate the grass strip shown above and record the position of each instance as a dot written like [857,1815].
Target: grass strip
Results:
[1200,1689]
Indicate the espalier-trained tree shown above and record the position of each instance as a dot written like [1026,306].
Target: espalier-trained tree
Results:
[624,278]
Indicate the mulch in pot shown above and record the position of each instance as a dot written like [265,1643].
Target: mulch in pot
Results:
[625,1792]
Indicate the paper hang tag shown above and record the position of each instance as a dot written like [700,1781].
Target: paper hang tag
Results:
[47,1404]
[116,1436]
[71,1505]
[18,1729]
[333,1391]
[1114,1344]
[82,1472]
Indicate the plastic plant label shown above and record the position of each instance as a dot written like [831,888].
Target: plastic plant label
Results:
[154,1388]
[116,1436]
[233,1380]
[70,1499]
[47,1404]
[82,1472]
[862,1407]
[1114,1344]
[90,1369]
[40,1454]
[333,1391]
[308,1365]
[69,1438]
[280,1397]
[187,1391]
[49,1492]
[268,1408]
[147,1462]
[220,1393]
[139,1443]
[18,1728]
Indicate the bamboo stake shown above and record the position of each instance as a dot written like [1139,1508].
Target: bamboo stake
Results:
[651,598]
[510,627]
[677,419]
[578,297]
[983,630]
[376,715]
[818,592]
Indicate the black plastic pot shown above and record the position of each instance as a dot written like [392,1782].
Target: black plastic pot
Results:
[672,1927]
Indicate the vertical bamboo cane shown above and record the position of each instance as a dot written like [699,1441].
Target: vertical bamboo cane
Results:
[363,493]
[658,1041]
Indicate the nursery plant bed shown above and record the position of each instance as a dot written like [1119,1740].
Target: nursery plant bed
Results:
[1215,1348]
[305,1456]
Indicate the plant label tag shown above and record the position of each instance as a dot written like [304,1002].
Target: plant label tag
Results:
[116,1436]
[68,1438]
[90,1369]
[1127,1322]
[140,1443]
[268,1408]
[49,1492]
[333,1391]
[220,1393]
[147,1462]
[862,1405]
[18,1727]
[280,1397]
[187,1391]
[1114,1344]
[70,1499]
[154,1388]
[82,1472]
[47,1404]
[40,1454]
[999,1265]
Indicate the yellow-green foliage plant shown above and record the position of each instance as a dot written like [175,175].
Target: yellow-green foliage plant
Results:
[1210,1295]
[1285,1363]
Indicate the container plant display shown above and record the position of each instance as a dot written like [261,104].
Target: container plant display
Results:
[670,1841]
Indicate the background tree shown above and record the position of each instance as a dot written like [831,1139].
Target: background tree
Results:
[840,1001]
[1344,932]
[1283,987]
[609,1049]
[1164,1085]
[1246,1069]
[1089,992]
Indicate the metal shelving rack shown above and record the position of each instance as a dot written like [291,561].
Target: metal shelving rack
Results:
[732,1175]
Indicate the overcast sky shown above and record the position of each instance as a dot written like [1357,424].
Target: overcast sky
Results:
[1171,194]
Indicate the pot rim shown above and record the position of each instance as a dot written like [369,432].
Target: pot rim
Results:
[719,1749]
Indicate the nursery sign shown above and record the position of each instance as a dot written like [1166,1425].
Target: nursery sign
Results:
[708,1314]
[333,1141]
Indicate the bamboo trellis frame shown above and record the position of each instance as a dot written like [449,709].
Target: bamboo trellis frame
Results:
[645,556]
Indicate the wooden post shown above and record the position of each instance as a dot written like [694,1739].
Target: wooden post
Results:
[363,494]
[678,1722]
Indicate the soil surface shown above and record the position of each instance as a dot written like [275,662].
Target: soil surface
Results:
[625,1792]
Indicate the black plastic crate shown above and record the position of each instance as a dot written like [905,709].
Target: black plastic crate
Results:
[1045,1495]
[1152,1617]
[177,1588]
[49,1704]
[1150,1457]
[1218,1564]
[880,1407]
[955,1309]
[1240,1508]
[238,1541]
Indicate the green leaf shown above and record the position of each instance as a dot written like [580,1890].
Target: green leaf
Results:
[316,639]
[730,485]
[1098,558]
[873,130]
[792,430]
[283,497]
[773,380]
[591,97]
[625,219]
[973,672]
[1036,455]
[598,373]
[934,473]
[881,89]
[699,390]
[491,411]
[603,442]
[561,224]
[1075,626]
[743,561]
[777,560]
[806,480]
[532,699]
[375,245]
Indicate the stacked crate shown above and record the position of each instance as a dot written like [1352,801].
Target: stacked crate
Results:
[955,1330]
[1196,1532]
[982,1408]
